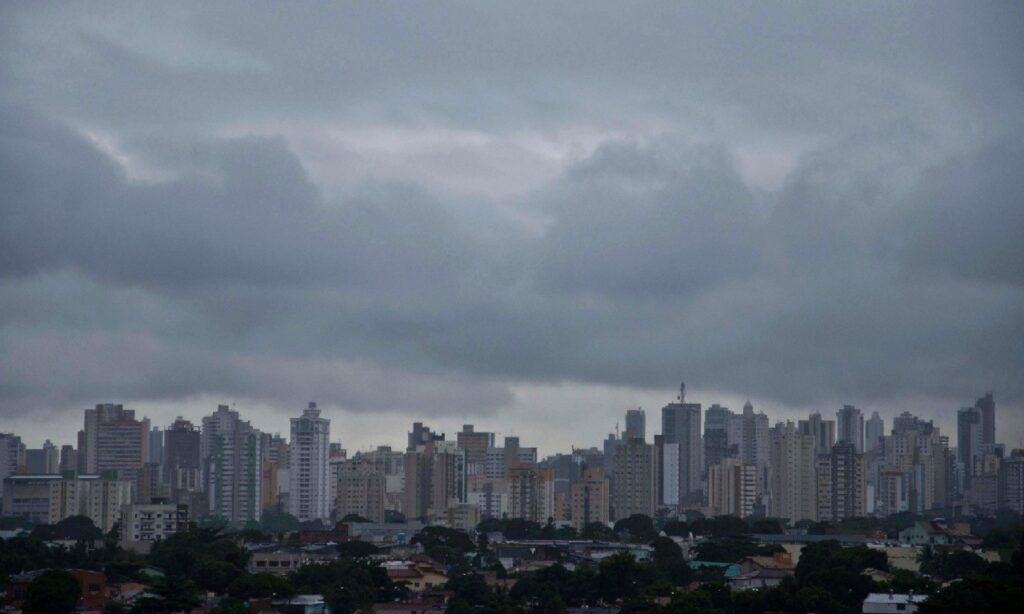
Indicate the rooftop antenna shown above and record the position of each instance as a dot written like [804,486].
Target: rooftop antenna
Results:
[682,392]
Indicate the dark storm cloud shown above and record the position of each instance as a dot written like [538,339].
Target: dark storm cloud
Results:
[274,203]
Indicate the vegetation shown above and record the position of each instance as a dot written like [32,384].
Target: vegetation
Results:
[54,592]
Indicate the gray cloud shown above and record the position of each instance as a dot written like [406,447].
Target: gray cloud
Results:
[392,211]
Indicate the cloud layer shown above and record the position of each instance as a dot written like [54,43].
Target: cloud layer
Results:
[417,213]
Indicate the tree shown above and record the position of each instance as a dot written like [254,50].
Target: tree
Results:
[975,594]
[169,594]
[638,527]
[278,522]
[597,531]
[676,528]
[251,586]
[355,518]
[55,591]
[356,549]
[445,544]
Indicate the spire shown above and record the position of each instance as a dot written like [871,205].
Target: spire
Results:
[682,392]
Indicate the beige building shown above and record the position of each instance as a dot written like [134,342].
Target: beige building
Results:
[464,516]
[732,488]
[531,493]
[793,483]
[113,440]
[361,490]
[590,498]
[636,479]
[51,498]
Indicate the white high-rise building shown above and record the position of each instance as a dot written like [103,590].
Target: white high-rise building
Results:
[309,452]
[793,484]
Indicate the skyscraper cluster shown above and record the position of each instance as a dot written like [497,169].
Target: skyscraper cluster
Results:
[714,460]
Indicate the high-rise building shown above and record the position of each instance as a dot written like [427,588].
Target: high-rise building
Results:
[680,424]
[850,426]
[590,498]
[754,442]
[232,455]
[794,479]
[421,435]
[531,493]
[156,446]
[841,483]
[361,490]
[182,465]
[634,489]
[716,434]
[732,488]
[969,430]
[823,432]
[1011,482]
[43,461]
[12,456]
[309,448]
[435,479]
[68,458]
[987,406]
[874,430]
[113,440]
[475,443]
[636,423]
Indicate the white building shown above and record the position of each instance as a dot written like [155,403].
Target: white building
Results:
[143,524]
[896,603]
[309,450]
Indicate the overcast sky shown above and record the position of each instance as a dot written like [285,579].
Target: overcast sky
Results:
[531,216]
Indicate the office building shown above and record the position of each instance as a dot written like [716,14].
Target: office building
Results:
[12,457]
[986,405]
[850,427]
[43,461]
[636,423]
[680,424]
[309,451]
[823,432]
[181,457]
[969,442]
[874,431]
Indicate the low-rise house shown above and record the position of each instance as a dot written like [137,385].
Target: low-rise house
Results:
[926,533]
[758,572]
[93,584]
[418,576]
[892,603]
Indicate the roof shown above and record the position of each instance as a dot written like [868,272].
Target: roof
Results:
[771,562]
[894,598]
